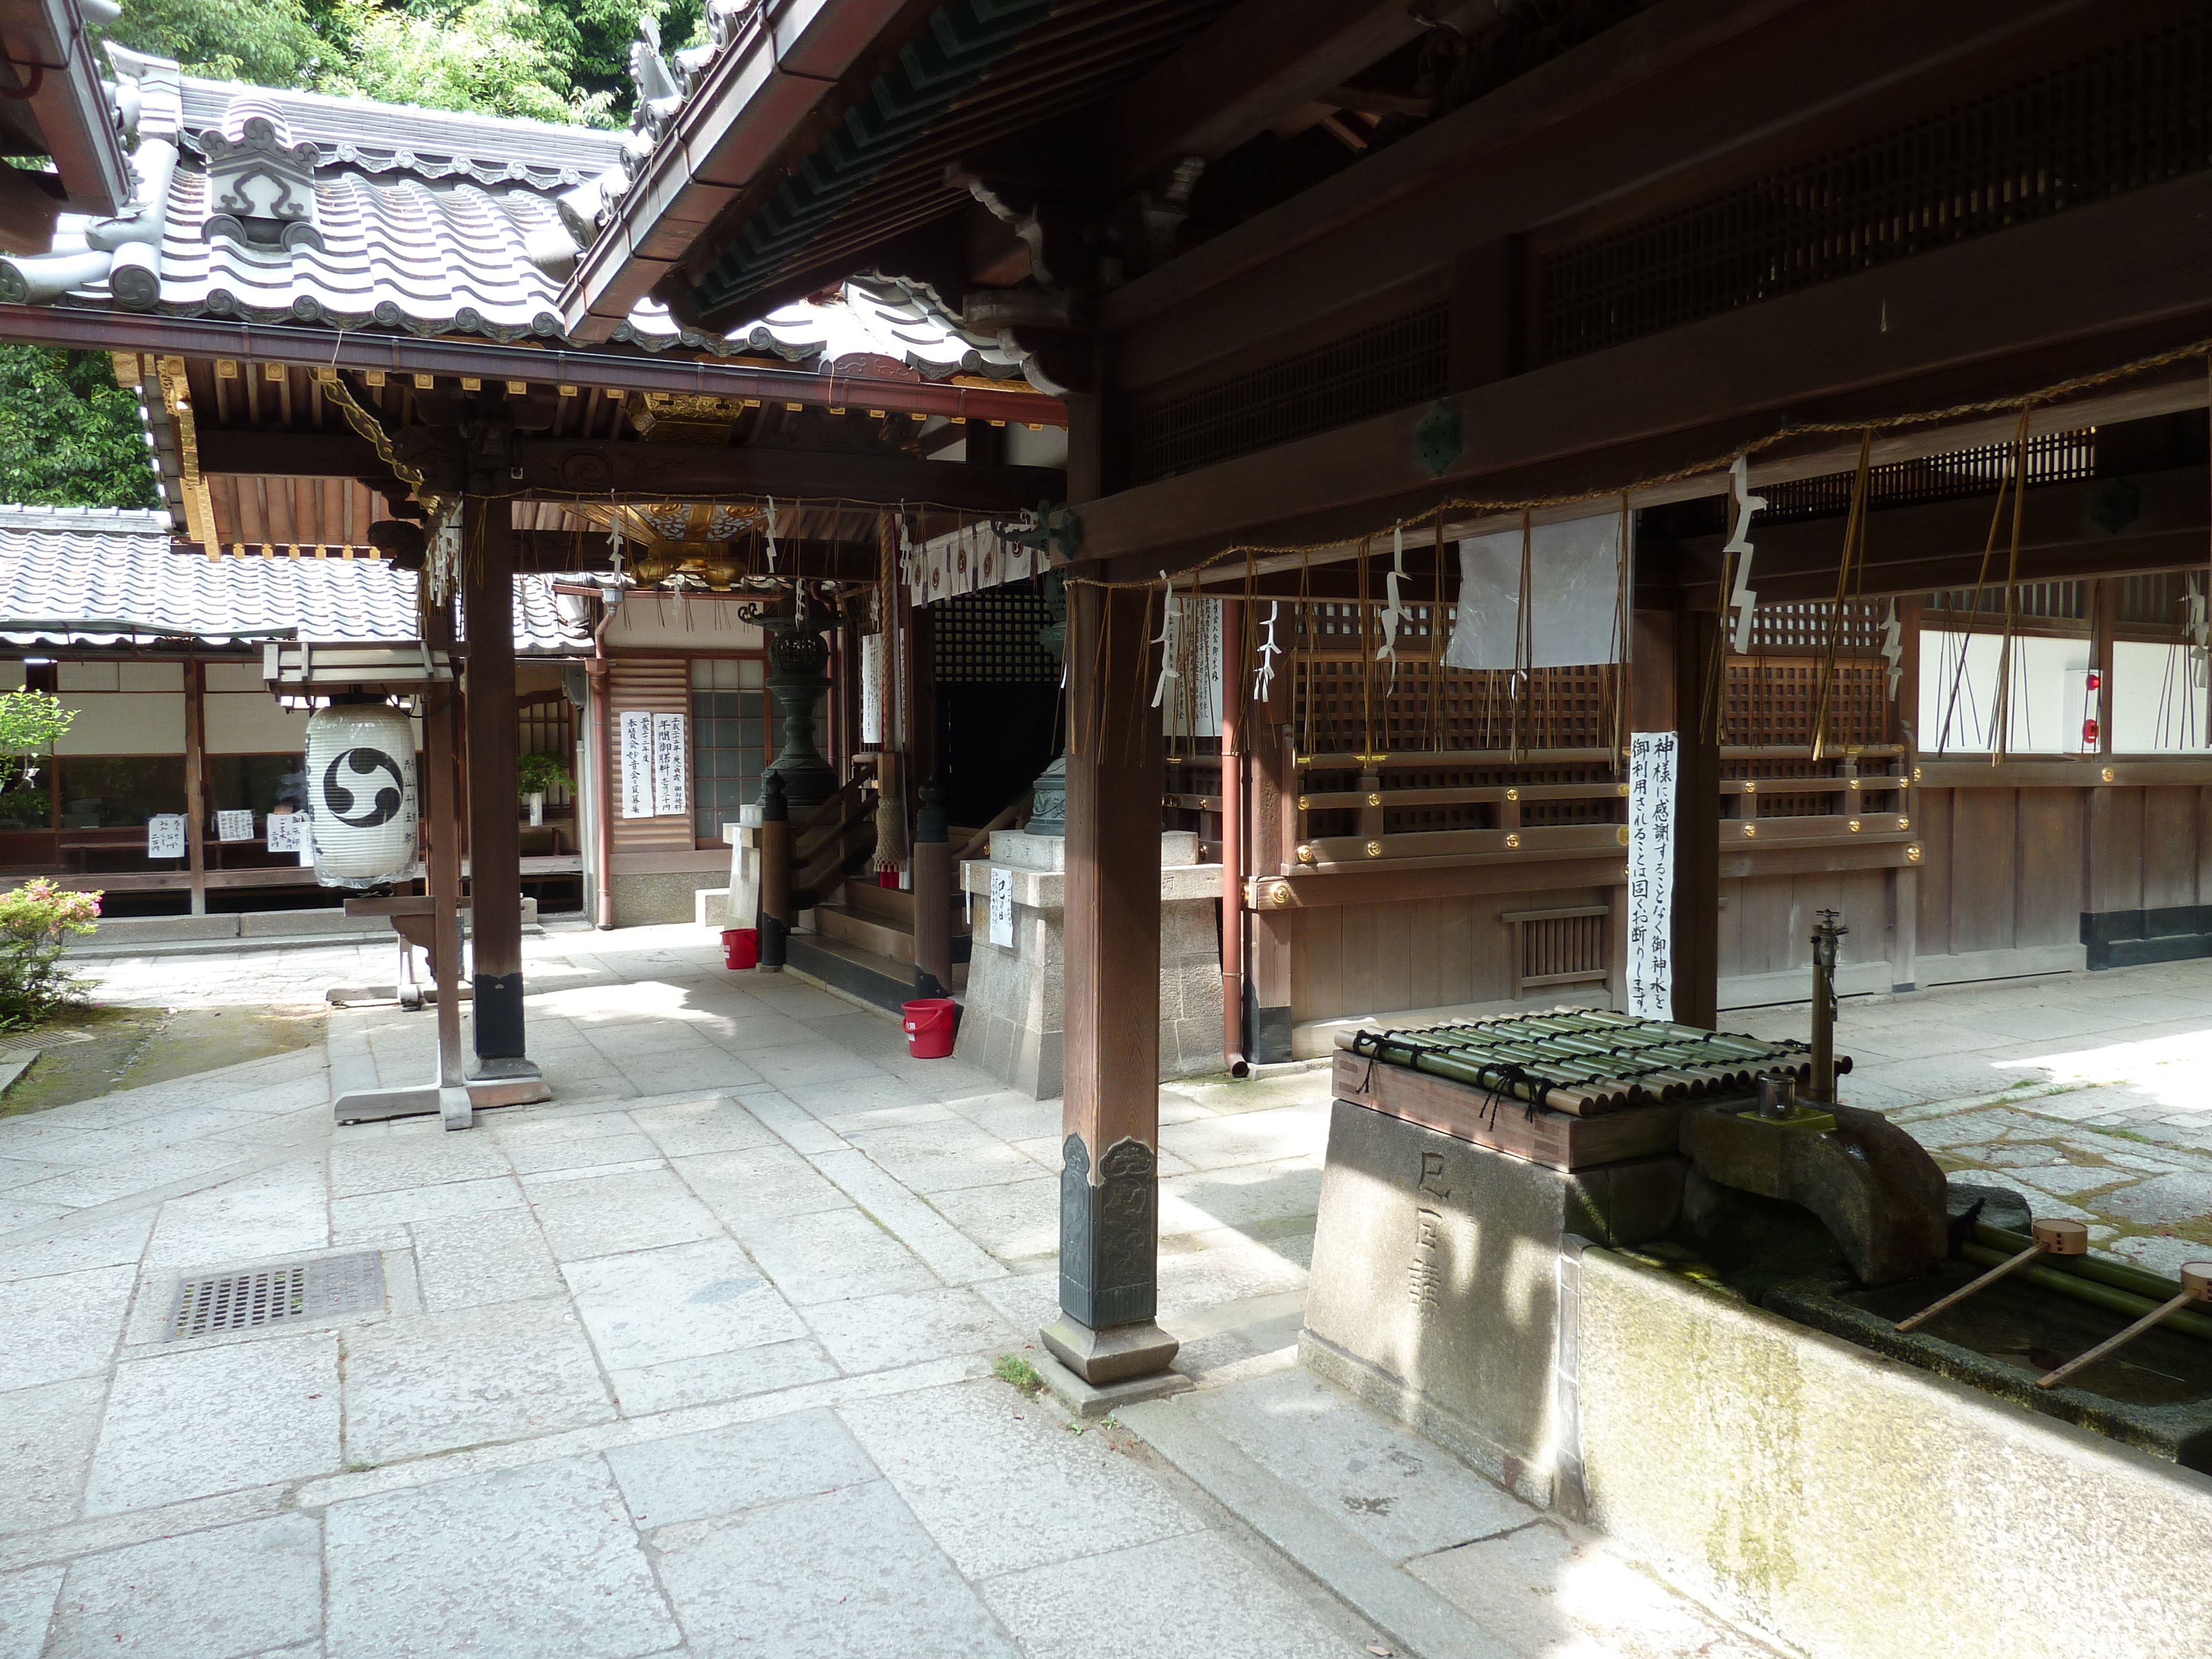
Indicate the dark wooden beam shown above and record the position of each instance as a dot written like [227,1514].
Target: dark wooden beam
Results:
[1704,84]
[2112,279]
[206,337]
[554,469]
[1263,58]
[559,469]
[2158,521]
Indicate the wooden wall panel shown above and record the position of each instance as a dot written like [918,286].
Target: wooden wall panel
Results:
[2047,901]
[1773,918]
[1415,953]
[2169,847]
[2113,872]
[1317,962]
[1933,818]
[661,685]
[1985,842]
[1425,925]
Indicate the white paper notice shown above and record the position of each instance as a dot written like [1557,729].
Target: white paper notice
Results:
[1002,907]
[636,764]
[306,837]
[164,836]
[871,688]
[234,826]
[284,831]
[1574,573]
[1653,758]
[670,772]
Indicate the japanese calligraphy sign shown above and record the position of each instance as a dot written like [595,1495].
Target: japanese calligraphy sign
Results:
[164,836]
[235,825]
[1002,907]
[284,831]
[636,764]
[1654,762]
[671,774]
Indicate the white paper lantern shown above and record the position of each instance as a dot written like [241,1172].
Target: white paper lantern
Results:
[361,793]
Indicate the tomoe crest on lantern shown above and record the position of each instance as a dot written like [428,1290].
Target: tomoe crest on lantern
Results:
[361,791]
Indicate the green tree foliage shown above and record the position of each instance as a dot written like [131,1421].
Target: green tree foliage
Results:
[69,436]
[272,43]
[551,60]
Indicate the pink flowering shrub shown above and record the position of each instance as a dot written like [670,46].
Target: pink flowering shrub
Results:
[35,922]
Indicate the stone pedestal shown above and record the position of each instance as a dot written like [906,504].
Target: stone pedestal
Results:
[1436,1292]
[1010,1025]
[743,839]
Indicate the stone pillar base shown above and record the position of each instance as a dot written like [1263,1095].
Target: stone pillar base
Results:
[1116,1354]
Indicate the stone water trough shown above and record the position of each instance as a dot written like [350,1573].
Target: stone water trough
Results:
[1676,1319]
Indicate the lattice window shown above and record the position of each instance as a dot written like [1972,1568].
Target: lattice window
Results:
[2158,600]
[2132,115]
[2045,601]
[2052,458]
[1389,366]
[1348,703]
[991,639]
[1809,627]
[1770,702]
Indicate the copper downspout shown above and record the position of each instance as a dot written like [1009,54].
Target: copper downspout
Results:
[1232,844]
[603,836]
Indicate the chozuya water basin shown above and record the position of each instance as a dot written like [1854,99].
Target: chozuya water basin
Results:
[2155,1393]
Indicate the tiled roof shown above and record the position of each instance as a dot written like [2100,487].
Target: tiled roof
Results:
[266,205]
[101,576]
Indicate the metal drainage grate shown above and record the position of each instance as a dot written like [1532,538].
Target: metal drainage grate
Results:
[304,1289]
[21,1042]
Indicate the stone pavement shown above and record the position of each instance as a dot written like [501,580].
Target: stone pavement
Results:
[697,1361]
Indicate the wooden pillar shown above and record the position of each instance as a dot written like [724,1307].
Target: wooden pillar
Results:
[2103,616]
[1108,1184]
[442,818]
[933,896]
[772,912]
[1675,663]
[1233,1039]
[495,837]
[196,804]
[1270,850]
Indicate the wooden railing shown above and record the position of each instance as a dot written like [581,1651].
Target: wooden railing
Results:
[1859,799]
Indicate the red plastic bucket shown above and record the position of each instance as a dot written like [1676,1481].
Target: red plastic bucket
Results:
[929,1023]
[740,947]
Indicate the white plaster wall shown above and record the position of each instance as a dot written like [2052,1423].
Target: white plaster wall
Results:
[124,723]
[689,624]
[253,723]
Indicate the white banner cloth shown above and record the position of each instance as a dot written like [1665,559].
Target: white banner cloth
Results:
[1574,575]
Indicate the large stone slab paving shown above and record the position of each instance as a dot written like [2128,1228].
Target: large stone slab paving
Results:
[534,1563]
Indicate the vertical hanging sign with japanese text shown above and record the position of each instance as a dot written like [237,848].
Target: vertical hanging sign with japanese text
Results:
[1654,758]
[636,764]
[670,774]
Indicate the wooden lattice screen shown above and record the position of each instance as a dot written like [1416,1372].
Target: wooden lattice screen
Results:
[1348,703]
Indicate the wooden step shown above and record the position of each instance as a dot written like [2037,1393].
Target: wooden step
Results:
[879,935]
[889,905]
[863,896]
[876,979]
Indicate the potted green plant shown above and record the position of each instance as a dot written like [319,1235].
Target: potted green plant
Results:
[534,775]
